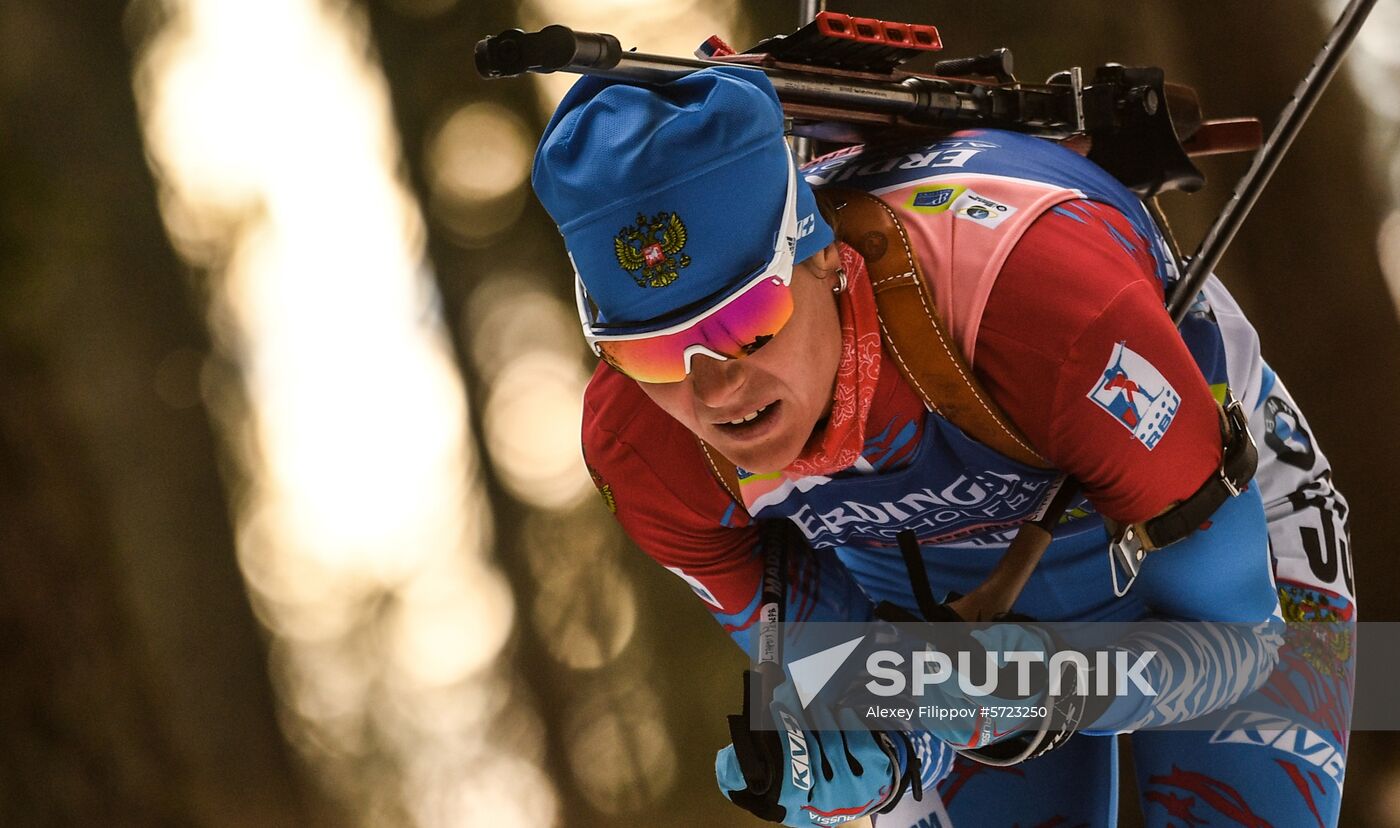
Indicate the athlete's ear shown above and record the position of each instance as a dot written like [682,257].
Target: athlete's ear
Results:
[824,262]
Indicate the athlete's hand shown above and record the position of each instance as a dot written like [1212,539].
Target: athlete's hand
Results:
[832,769]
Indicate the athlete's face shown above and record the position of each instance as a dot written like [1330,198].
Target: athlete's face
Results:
[789,381]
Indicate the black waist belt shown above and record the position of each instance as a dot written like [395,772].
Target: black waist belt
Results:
[1238,462]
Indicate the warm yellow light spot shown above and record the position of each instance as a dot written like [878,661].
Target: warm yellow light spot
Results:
[1388,250]
[509,316]
[327,684]
[488,795]
[584,606]
[296,596]
[439,638]
[481,152]
[1379,38]
[476,163]
[475,224]
[532,422]
[619,750]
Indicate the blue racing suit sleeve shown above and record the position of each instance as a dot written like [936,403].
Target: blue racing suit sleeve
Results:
[1219,574]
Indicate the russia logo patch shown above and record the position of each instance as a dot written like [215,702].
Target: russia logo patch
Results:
[1137,395]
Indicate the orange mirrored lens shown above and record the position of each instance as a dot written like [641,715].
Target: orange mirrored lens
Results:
[737,329]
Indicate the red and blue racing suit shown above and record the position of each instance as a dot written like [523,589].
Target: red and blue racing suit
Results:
[1070,337]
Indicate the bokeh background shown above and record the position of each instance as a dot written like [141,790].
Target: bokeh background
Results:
[293,524]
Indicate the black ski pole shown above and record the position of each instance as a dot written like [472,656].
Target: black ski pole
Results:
[1267,159]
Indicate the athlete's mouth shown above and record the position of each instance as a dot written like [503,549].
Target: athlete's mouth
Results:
[750,417]
[750,420]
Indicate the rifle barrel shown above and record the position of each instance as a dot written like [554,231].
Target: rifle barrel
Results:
[560,49]
[888,97]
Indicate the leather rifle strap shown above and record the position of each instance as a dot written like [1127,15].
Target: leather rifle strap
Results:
[912,331]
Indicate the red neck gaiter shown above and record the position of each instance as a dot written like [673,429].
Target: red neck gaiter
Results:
[836,445]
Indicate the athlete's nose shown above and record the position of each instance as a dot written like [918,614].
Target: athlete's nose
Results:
[715,382]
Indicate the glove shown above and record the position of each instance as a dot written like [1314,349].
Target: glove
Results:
[988,731]
[829,770]
[950,635]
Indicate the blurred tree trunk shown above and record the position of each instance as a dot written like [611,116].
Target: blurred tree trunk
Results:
[427,64]
[135,689]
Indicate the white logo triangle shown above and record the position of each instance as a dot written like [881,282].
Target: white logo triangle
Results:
[811,673]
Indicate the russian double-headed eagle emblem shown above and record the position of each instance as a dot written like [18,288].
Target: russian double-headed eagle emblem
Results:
[650,251]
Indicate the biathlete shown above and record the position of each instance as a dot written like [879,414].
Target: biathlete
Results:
[755,367]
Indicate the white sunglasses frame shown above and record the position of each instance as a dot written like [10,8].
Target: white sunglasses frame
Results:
[779,267]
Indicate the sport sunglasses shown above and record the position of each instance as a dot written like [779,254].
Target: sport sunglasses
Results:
[739,324]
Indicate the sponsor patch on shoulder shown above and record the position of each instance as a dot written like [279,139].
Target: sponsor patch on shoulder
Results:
[934,199]
[1136,395]
[973,207]
[962,202]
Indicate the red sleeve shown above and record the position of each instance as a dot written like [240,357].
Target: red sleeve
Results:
[653,475]
[1077,347]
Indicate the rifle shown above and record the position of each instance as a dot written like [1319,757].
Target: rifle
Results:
[841,81]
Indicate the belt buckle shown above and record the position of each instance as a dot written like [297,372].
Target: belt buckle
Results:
[1126,553]
[1229,484]
[1234,414]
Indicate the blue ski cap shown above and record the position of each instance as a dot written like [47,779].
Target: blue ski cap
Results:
[667,195]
